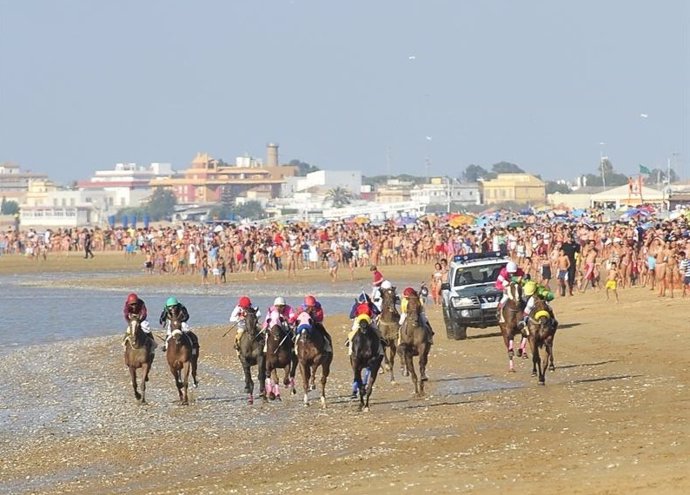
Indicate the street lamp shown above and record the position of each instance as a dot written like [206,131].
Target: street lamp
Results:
[601,163]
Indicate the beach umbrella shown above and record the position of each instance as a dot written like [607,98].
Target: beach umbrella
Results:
[361,220]
[458,219]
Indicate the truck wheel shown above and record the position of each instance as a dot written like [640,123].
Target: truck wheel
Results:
[460,333]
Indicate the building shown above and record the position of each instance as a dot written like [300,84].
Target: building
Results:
[208,181]
[514,188]
[625,195]
[14,183]
[128,183]
[324,180]
[445,192]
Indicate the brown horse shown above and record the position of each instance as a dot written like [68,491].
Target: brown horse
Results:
[512,314]
[182,355]
[138,354]
[389,325]
[366,356]
[311,344]
[252,354]
[541,331]
[280,353]
[414,341]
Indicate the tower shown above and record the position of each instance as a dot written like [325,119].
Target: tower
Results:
[272,155]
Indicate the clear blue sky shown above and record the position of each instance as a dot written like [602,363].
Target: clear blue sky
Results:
[541,83]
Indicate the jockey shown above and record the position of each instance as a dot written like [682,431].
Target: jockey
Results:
[409,291]
[536,292]
[238,314]
[136,306]
[285,311]
[505,276]
[173,308]
[312,310]
[364,308]
[376,295]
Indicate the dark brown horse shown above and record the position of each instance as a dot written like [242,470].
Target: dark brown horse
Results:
[389,325]
[512,315]
[541,331]
[251,353]
[414,341]
[366,356]
[280,353]
[311,345]
[182,355]
[138,354]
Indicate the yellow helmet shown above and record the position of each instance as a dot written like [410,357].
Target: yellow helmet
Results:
[530,288]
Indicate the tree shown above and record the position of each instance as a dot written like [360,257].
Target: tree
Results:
[506,168]
[339,197]
[161,204]
[474,172]
[303,168]
[9,207]
[556,187]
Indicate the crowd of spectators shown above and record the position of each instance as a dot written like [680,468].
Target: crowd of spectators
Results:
[647,252]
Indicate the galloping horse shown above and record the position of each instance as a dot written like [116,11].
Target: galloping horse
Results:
[541,331]
[366,355]
[389,325]
[414,341]
[280,353]
[138,354]
[512,314]
[311,354]
[182,355]
[252,354]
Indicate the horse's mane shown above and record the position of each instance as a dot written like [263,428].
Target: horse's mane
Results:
[414,308]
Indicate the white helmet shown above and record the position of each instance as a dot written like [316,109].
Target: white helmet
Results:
[511,267]
[279,301]
[386,285]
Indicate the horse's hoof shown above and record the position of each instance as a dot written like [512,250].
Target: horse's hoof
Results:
[271,396]
[247,390]
[393,382]
[425,378]
[534,373]
[278,398]
[519,353]
[552,368]
[366,409]
[525,356]
[312,387]
[137,395]
[294,391]
[143,402]
[542,383]
[512,370]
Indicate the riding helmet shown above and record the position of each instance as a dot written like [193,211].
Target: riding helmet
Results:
[244,302]
[530,288]
[409,291]
[132,298]
[386,285]
[310,301]
[511,267]
[172,301]
[279,301]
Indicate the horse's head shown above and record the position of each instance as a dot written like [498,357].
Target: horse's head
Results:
[135,328]
[388,296]
[514,292]
[250,321]
[414,309]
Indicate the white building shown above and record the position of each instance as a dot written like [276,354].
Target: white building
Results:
[324,180]
[128,183]
[445,192]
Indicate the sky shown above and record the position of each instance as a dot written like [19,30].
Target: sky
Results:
[422,87]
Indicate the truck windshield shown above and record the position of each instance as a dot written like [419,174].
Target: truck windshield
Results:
[477,275]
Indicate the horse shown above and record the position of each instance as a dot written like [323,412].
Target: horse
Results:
[311,344]
[389,325]
[512,315]
[414,341]
[366,356]
[251,353]
[541,331]
[138,354]
[280,353]
[182,355]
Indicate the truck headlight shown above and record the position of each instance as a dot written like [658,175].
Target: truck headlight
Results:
[462,302]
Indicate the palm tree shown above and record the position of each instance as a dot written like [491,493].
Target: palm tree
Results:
[339,196]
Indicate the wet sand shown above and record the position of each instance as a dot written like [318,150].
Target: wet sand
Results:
[613,417]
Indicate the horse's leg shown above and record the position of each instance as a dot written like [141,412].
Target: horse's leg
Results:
[370,383]
[293,370]
[423,359]
[178,381]
[312,381]
[392,351]
[261,363]
[549,350]
[195,360]
[542,366]
[305,370]
[276,382]
[145,377]
[270,377]
[325,370]
[523,344]
[508,339]
[248,382]
[409,364]
[184,372]
[133,374]
[357,383]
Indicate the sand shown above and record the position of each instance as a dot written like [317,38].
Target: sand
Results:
[613,418]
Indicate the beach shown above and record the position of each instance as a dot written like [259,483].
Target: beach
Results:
[613,417]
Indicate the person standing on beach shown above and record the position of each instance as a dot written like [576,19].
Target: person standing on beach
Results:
[563,264]
[88,244]
[570,249]
[612,281]
[332,266]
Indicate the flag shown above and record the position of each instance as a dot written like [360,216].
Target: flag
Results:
[645,170]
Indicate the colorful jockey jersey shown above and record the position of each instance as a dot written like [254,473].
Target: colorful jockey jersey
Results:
[507,273]
[313,308]
[174,309]
[364,305]
[536,292]
[238,313]
[284,313]
[135,306]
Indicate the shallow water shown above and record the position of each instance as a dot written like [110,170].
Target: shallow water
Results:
[51,307]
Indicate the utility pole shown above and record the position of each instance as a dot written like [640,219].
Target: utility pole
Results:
[601,163]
